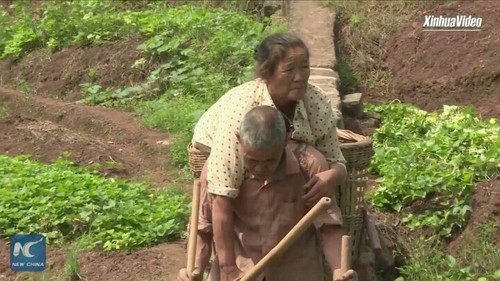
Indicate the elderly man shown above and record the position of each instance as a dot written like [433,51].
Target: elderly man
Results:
[269,203]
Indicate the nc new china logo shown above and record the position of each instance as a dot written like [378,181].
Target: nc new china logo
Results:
[27,252]
[456,23]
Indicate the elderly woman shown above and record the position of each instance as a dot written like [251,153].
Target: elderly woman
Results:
[283,74]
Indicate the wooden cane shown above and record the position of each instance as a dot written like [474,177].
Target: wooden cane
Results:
[289,239]
[193,229]
[345,262]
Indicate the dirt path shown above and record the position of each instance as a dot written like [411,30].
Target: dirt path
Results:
[158,263]
[45,128]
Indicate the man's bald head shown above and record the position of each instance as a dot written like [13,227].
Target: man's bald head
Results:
[263,127]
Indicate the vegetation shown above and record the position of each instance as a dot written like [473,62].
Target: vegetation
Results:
[183,49]
[67,203]
[475,260]
[427,163]
[436,157]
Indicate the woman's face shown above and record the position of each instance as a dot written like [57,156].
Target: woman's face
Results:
[289,80]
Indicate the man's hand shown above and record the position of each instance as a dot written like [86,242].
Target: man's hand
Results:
[183,275]
[230,273]
[349,275]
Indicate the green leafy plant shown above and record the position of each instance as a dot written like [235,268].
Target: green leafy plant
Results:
[432,160]
[57,24]
[66,203]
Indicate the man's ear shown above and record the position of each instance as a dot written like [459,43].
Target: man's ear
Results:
[237,134]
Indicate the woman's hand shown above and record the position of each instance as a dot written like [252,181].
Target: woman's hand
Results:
[323,184]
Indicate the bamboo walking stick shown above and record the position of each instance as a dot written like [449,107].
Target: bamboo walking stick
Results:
[193,229]
[345,262]
[289,239]
[345,258]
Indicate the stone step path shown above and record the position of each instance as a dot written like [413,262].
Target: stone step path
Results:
[314,24]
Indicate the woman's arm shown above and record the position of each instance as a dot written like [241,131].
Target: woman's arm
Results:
[339,171]
[322,121]
[223,223]
[225,174]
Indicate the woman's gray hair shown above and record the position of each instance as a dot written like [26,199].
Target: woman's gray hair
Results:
[272,49]
[263,127]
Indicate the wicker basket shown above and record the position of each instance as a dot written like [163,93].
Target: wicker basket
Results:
[353,226]
[357,149]
[350,199]
[197,160]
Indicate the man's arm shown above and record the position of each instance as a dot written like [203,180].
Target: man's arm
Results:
[223,225]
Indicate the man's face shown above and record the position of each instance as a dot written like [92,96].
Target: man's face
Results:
[262,163]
